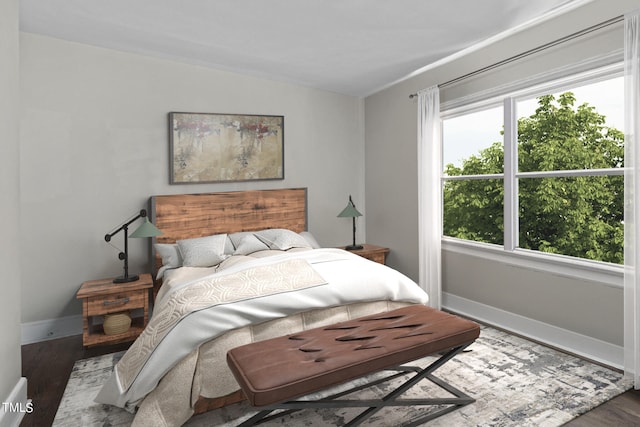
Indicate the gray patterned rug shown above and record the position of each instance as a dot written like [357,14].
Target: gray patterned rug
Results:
[515,383]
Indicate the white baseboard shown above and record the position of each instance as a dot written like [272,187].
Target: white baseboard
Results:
[563,339]
[17,404]
[49,329]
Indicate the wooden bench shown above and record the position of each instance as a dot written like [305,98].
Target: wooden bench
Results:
[273,372]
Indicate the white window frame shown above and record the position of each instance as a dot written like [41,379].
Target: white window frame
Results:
[509,253]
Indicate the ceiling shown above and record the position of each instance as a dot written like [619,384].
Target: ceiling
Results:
[353,47]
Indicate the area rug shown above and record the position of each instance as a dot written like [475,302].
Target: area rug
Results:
[515,382]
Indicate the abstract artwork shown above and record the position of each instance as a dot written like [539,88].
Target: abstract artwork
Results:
[225,147]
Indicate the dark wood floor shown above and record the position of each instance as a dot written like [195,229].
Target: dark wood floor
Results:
[47,366]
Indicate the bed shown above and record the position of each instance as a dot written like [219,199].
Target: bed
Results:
[251,292]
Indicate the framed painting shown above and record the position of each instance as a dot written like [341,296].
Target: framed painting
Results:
[205,148]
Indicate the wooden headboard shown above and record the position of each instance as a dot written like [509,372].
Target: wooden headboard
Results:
[185,216]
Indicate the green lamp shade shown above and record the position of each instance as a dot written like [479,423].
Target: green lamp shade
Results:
[349,212]
[147,229]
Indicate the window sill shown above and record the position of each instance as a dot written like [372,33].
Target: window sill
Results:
[565,266]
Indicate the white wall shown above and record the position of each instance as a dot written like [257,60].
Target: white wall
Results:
[94,147]
[10,207]
[585,307]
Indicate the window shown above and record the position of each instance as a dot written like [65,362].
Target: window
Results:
[540,170]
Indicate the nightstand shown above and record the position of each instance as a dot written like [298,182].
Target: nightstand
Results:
[100,297]
[372,252]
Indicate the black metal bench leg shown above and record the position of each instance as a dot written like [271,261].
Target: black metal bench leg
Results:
[425,373]
[256,419]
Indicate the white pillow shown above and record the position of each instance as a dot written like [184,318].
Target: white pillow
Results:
[250,244]
[236,238]
[228,246]
[203,251]
[169,253]
[282,239]
[310,239]
[171,258]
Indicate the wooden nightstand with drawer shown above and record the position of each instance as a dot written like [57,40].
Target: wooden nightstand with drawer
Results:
[103,297]
[372,252]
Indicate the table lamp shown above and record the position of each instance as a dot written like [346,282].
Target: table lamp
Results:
[147,229]
[351,212]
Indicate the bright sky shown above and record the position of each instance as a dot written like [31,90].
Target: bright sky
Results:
[467,135]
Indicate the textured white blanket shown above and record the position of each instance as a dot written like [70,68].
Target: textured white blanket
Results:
[349,279]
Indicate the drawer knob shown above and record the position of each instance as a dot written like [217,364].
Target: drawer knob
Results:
[116,302]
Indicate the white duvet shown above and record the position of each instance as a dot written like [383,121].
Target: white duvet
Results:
[348,277]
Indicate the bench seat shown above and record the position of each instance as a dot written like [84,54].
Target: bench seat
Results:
[283,368]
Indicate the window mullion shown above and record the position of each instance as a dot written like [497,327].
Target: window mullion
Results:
[510,170]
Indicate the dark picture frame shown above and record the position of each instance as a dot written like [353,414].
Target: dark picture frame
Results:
[214,147]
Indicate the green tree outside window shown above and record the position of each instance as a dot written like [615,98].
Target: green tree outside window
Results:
[578,216]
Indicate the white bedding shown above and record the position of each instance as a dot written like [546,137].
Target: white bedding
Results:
[349,279]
